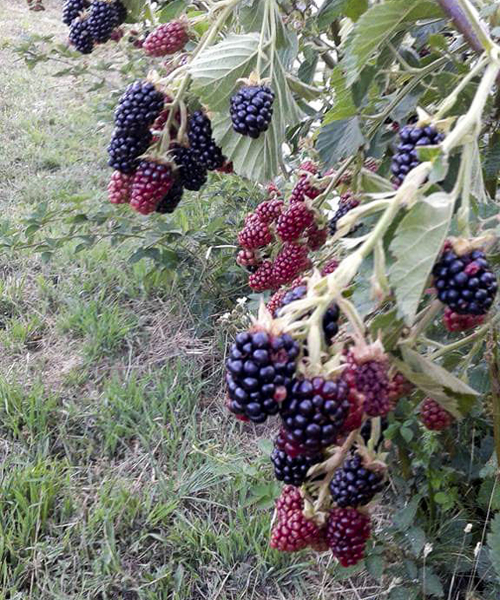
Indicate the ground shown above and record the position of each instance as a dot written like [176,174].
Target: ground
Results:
[122,475]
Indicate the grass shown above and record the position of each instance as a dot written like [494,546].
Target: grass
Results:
[122,476]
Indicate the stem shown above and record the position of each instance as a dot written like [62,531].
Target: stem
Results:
[430,313]
[463,213]
[466,20]
[349,310]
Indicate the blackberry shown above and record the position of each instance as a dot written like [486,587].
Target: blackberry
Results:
[347,203]
[259,372]
[294,221]
[202,143]
[72,9]
[292,470]
[465,283]
[121,11]
[80,36]
[255,234]
[152,182]
[294,532]
[292,448]
[269,210]
[354,485]
[371,380]
[455,322]
[366,431]
[314,411]
[125,148]
[166,39]
[304,189]
[251,110]
[316,237]
[406,157]
[192,174]
[330,318]
[119,188]
[434,416]
[290,500]
[263,278]
[347,531]
[170,202]
[139,106]
[102,20]
[291,261]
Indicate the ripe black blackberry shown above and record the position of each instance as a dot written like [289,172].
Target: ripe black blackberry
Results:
[292,470]
[347,203]
[193,175]
[170,202]
[330,318]
[80,36]
[259,372]
[121,12]
[139,106]
[406,157]
[354,485]
[202,143]
[314,411]
[251,110]
[465,283]
[102,20]
[72,9]
[126,147]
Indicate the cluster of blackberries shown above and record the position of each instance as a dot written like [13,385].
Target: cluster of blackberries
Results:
[406,157]
[295,227]
[465,283]
[347,202]
[251,110]
[156,185]
[92,22]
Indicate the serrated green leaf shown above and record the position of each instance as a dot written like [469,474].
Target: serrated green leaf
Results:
[331,10]
[404,518]
[494,543]
[431,584]
[419,239]
[344,106]
[171,11]
[377,25]
[416,538]
[301,89]
[338,140]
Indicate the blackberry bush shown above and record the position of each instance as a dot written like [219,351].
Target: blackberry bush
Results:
[251,110]
[465,283]
[355,485]
[259,372]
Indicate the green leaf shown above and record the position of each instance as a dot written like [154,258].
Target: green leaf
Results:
[494,543]
[405,517]
[338,140]
[375,566]
[379,24]
[489,494]
[355,8]
[344,106]
[419,239]
[388,327]
[171,11]
[403,593]
[331,10]
[431,584]
[416,538]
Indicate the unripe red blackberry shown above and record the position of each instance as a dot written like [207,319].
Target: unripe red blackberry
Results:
[166,39]
[80,36]
[294,221]
[226,167]
[292,470]
[370,378]
[202,143]
[347,203]
[102,20]
[455,322]
[304,189]
[330,318]
[354,485]
[125,148]
[293,532]
[119,188]
[255,234]
[263,279]
[150,185]
[285,442]
[72,9]
[192,174]
[406,157]
[347,531]
[316,237]
[248,259]
[273,190]
[309,166]
[251,110]
[434,416]
[172,199]
[399,387]
[139,106]
[259,371]
[290,500]
[354,418]
[314,411]
[291,261]
[269,211]
[465,283]
[329,267]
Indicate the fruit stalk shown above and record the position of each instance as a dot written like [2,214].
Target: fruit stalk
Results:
[466,20]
